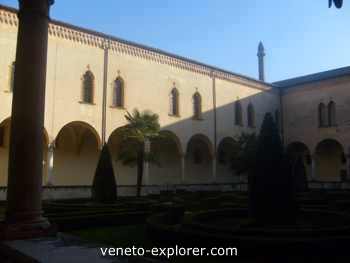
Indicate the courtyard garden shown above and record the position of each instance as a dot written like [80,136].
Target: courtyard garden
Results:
[208,219]
[278,219]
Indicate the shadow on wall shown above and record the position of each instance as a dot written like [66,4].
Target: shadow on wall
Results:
[327,163]
[194,157]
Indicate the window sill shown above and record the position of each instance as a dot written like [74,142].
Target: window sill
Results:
[87,103]
[174,115]
[117,107]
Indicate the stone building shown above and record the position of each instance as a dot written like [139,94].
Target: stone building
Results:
[93,79]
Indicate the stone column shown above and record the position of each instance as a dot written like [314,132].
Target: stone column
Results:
[348,165]
[214,169]
[50,156]
[183,167]
[24,211]
[313,168]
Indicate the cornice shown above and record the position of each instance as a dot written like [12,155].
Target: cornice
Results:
[95,39]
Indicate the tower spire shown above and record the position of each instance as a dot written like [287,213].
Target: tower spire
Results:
[261,55]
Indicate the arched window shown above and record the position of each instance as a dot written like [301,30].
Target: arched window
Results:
[331,114]
[88,87]
[197,106]
[118,93]
[251,116]
[174,102]
[238,113]
[322,115]
[12,76]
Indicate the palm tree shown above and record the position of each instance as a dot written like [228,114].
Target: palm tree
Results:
[142,127]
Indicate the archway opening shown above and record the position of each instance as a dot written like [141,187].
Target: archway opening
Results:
[125,173]
[330,160]
[5,129]
[167,150]
[300,160]
[225,154]
[199,157]
[76,154]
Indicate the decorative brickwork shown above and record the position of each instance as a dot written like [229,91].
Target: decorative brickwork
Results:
[88,37]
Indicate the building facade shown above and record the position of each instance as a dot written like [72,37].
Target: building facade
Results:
[94,79]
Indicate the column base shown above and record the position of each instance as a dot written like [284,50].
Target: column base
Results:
[27,230]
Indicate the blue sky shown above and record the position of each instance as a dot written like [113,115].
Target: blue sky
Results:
[300,37]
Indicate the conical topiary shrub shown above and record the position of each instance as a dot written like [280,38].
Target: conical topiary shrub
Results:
[271,186]
[104,188]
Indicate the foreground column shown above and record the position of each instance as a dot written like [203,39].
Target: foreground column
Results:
[24,212]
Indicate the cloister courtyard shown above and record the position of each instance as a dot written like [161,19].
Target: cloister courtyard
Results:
[107,144]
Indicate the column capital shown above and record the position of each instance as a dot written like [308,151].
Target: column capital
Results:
[38,7]
[105,44]
[35,2]
[52,145]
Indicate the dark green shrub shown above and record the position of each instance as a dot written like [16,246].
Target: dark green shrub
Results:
[104,188]
[271,186]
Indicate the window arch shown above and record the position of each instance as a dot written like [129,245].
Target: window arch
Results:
[238,113]
[251,116]
[197,106]
[118,93]
[12,76]
[331,114]
[174,102]
[88,87]
[322,116]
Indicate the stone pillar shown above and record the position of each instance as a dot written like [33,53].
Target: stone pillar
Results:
[183,167]
[24,211]
[214,169]
[50,156]
[146,163]
[348,165]
[313,168]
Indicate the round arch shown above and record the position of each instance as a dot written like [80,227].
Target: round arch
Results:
[168,152]
[202,138]
[199,159]
[84,125]
[171,136]
[330,160]
[224,155]
[297,148]
[76,153]
[301,164]
[124,174]
[5,127]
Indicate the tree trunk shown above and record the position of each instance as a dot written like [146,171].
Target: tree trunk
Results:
[140,158]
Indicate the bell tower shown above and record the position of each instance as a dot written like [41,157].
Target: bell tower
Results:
[261,55]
